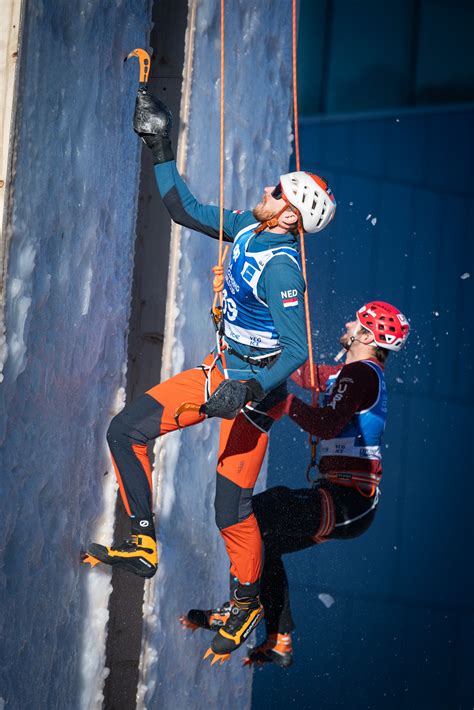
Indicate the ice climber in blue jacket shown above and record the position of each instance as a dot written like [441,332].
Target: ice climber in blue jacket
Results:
[243,381]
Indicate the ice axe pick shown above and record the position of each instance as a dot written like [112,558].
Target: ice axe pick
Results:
[145,63]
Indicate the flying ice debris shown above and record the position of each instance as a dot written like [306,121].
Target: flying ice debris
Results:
[373,221]
[326,599]
[466,275]
[399,380]
[368,217]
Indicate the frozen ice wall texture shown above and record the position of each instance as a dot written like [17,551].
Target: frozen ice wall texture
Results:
[69,278]
[194,566]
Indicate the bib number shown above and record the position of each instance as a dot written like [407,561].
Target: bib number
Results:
[229,306]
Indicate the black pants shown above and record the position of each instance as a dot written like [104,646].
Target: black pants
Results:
[288,520]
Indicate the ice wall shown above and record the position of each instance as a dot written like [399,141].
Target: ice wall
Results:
[194,568]
[72,233]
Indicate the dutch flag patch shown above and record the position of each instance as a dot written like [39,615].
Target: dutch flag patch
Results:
[289,298]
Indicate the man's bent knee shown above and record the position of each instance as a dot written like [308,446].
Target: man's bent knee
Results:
[232,503]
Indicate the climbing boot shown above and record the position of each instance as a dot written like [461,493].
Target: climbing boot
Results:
[210,619]
[277,649]
[137,555]
[245,614]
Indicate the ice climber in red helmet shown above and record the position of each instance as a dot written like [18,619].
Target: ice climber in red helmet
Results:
[341,504]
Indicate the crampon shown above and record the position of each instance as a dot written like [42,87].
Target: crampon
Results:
[244,616]
[216,657]
[277,649]
[210,619]
[137,555]
[87,559]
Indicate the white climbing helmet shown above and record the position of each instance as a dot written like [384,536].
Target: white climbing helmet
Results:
[311,195]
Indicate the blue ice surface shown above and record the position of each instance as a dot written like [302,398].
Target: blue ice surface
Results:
[67,307]
[194,566]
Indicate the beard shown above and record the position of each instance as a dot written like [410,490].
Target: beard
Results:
[262,213]
[344,341]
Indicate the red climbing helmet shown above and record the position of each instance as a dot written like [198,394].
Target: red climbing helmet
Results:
[387,324]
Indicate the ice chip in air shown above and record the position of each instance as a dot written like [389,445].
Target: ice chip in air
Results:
[399,380]
[466,275]
[368,217]
[326,599]
[373,221]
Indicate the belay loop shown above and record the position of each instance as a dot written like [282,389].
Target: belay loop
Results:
[313,463]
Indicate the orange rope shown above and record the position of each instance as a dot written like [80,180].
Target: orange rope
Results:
[300,227]
[218,283]
[312,379]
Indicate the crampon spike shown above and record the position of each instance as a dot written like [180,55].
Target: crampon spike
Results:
[87,559]
[217,657]
[145,63]
[184,621]
[185,407]
[252,662]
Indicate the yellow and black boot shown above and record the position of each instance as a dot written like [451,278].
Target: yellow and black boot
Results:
[137,554]
[210,619]
[245,615]
[277,649]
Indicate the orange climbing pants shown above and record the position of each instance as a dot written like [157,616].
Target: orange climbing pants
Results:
[242,446]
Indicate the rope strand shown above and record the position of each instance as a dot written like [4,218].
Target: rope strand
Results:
[314,394]
[218,283]
[300,226]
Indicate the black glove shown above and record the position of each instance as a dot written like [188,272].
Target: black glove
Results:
[229,398]
[152,121]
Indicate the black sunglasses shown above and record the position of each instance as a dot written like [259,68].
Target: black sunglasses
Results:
[277,192]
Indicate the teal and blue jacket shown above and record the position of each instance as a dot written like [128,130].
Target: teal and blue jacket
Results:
[263,295]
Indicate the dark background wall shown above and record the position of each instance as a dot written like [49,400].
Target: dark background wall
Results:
[399,634]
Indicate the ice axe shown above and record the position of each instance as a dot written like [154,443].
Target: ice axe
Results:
[145,63]
[186,407]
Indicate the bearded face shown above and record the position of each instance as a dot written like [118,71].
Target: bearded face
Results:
[344,340]
[263,211]
[268,206]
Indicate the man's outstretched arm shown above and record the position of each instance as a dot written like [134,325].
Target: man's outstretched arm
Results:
[185,209]
[152,121]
